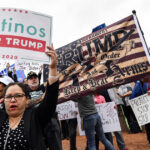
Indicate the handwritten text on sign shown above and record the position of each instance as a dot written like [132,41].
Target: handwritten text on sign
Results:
[109,117]
[28,65]
[66,110]
[24,34]
[141,109]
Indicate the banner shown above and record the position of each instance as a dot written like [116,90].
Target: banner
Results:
[109,118]
[141,108]
[24,35]
[111,56]
[66,110]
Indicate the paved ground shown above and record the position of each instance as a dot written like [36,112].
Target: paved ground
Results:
[133,141]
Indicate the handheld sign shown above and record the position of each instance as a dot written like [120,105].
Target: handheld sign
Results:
[66,110]
[109,118]
[24,35]
[141,108]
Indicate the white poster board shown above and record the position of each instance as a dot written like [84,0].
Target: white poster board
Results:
[28,65]
[66,110]
[109,118]
[141,108]
[24,35]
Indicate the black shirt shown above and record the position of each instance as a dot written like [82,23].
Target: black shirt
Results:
[16,139]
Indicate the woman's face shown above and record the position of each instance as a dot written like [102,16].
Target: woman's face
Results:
[15,101]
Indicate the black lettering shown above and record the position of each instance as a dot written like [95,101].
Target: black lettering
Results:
[121,40]
[84,87]
[79,51]
[92,83]
[127,70]
[68,58]
[89,49]
[98,44]
[116,33]
[144,66]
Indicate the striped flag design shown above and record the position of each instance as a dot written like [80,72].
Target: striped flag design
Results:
[111,56]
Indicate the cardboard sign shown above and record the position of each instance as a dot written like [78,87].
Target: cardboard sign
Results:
[141,108]
[109,118]
[66,110]
[28,65]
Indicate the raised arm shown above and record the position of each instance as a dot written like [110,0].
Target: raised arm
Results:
[47,107]
[53,73]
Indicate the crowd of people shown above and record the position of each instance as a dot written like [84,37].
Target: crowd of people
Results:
[28,117]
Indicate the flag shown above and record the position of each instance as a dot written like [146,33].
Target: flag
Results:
[114,55]
[20,73]
[99,27]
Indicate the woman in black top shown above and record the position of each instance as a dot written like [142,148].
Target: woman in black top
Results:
[21,128]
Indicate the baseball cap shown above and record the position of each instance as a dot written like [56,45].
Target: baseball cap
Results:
[6,80]
[31,74]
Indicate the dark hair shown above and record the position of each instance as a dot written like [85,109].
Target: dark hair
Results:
[21,85]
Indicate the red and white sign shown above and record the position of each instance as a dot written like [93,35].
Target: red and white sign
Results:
[24,34]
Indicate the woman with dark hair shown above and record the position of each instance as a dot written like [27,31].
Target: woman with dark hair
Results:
[21,128]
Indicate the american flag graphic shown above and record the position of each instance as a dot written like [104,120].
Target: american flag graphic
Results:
[114,55]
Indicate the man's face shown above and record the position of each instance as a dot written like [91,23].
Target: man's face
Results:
[1,89]
[33,82]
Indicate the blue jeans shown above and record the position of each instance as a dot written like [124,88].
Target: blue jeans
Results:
[92,124]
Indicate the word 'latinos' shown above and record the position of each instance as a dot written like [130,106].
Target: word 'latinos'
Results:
[9,26]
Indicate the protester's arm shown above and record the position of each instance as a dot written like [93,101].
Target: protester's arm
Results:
[125,94]
[40,73]
[33,102]
[47,107]
[137,90]
[128,91]
[1,100]
[15,75]
[8,71]
[7,67]
[53,74]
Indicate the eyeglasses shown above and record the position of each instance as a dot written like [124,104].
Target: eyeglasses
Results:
[17,97]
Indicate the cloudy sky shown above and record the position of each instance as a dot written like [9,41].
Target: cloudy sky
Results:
[73,19]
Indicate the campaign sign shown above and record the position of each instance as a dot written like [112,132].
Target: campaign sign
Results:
[24,35]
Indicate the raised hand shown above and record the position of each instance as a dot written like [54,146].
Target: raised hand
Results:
[1,100]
